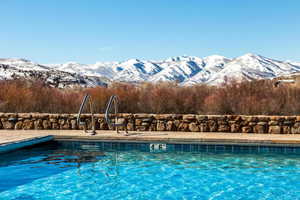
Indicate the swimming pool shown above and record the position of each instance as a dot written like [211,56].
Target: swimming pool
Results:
[109,170]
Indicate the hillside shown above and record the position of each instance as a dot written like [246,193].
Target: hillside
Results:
[186,70]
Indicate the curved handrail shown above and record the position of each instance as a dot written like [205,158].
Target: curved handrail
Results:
[86,98]
[113,100]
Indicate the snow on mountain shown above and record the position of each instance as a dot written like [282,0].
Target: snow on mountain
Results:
[250,67]
[22,64]
[24,69]
[178,69]
[135,70]
[212,65]
[295,63]
[71,67]
[98,69]
[186,70]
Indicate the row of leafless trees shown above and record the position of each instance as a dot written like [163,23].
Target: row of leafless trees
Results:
[256,97]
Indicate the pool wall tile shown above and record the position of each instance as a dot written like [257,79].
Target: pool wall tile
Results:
[127,146]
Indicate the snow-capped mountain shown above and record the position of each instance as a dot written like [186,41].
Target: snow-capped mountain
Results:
[212,65]
[250,67]
[295,63]
[97,69]
[23,64]
[24,69]
[178,69]
[135,70]
[186,70]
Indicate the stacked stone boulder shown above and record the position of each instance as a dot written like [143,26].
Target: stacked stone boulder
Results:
[259,124]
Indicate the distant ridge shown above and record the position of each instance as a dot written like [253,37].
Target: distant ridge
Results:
[186,70]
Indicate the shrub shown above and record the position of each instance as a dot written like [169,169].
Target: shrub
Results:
[255,97]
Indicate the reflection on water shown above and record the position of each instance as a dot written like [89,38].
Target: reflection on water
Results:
[67,156]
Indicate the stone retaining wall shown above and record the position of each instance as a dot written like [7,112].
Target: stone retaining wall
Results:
[158,122]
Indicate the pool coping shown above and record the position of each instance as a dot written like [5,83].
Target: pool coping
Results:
[12,139]
[11,146]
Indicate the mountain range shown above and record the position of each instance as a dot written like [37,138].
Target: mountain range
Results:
[186,70]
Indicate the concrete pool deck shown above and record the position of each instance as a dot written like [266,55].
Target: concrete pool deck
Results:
[16,136]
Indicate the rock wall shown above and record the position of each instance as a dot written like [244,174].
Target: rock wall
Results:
[157,122]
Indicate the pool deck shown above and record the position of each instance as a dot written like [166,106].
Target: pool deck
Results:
[14,136]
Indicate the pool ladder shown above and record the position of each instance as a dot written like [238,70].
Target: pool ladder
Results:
[112,103]
[87,98]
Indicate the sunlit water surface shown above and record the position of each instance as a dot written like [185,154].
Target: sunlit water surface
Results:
[56,172]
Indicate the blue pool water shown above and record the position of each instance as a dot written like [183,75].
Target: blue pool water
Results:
[87,171]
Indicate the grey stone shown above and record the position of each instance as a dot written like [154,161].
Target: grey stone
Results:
[260,128]
[8,124]
[193,127]
[19,125]
[183,127]
[201,118]
[38,124]
[160,126]
[235,128]
[273,123]
[224,128]
[286,130]
[295,130]
[247,129]
[28,124]
[213,126]
[203,127]
[55,126]
[189,117]
[274,129]
[46,124]
[74,124]
[138,122]
[170,126]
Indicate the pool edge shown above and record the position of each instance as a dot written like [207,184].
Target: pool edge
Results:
[11,146]
[284,143]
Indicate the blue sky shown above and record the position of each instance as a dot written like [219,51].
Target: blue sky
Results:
[86,31]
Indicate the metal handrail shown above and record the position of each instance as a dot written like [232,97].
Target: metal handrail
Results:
[86,98]
[113,100]
[81,108]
